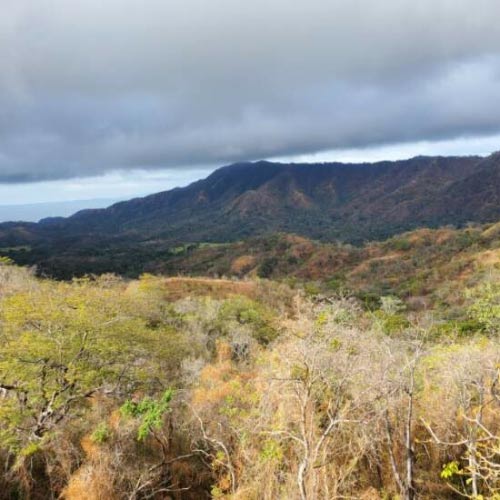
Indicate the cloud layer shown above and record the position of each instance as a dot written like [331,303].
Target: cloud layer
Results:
[89,86]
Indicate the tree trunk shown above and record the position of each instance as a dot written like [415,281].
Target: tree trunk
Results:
[410,490]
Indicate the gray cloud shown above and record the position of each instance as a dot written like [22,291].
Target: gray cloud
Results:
[90,86]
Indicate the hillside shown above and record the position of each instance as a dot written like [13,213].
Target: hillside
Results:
[214,382]
[427,268]
[350,203]
[197,388]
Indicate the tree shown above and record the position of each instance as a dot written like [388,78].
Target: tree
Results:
[62,344]
[320,400]
[400,397]
[485,307]
[472,430]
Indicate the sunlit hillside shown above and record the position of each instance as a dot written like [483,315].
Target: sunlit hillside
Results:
[309,371]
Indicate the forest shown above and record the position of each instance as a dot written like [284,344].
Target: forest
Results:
[298,371]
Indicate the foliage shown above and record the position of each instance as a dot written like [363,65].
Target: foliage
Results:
[311,289]
[101,433]
[63,344]
[485,308]
[243,311]
[149,412]
[391,305]
[5,261]
[362,388]
[267,266]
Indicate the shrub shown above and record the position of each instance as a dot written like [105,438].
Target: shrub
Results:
[101,433]
[149,412]
[267,267]
[244,311]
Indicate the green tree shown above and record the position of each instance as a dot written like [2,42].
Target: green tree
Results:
[62,343]
[486,305]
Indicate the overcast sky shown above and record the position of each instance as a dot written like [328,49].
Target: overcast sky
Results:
[116,98]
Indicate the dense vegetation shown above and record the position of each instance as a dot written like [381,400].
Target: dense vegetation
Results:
[326,202]
[317,371]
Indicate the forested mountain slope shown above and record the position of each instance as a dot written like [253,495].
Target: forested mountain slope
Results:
[350,203]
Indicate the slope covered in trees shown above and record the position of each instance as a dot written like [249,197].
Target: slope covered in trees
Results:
[327,202]
[381,382]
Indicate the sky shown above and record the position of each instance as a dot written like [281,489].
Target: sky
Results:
[110,99]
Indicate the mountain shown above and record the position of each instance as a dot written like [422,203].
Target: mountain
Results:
[328,201]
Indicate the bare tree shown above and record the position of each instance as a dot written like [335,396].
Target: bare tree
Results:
[328,391]
[472,377]
[401,388]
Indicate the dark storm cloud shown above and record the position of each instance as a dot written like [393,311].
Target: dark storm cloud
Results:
[90,86]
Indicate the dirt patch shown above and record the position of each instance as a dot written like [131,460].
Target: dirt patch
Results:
[178,288]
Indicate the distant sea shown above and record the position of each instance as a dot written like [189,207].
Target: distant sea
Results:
[36,211]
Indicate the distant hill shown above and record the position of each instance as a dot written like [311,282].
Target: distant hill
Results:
[329,201]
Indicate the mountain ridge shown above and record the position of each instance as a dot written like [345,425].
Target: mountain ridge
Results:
[249,183]
[326,201]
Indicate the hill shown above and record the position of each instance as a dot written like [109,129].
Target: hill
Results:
[426,267]
[331,201]
[198,388]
